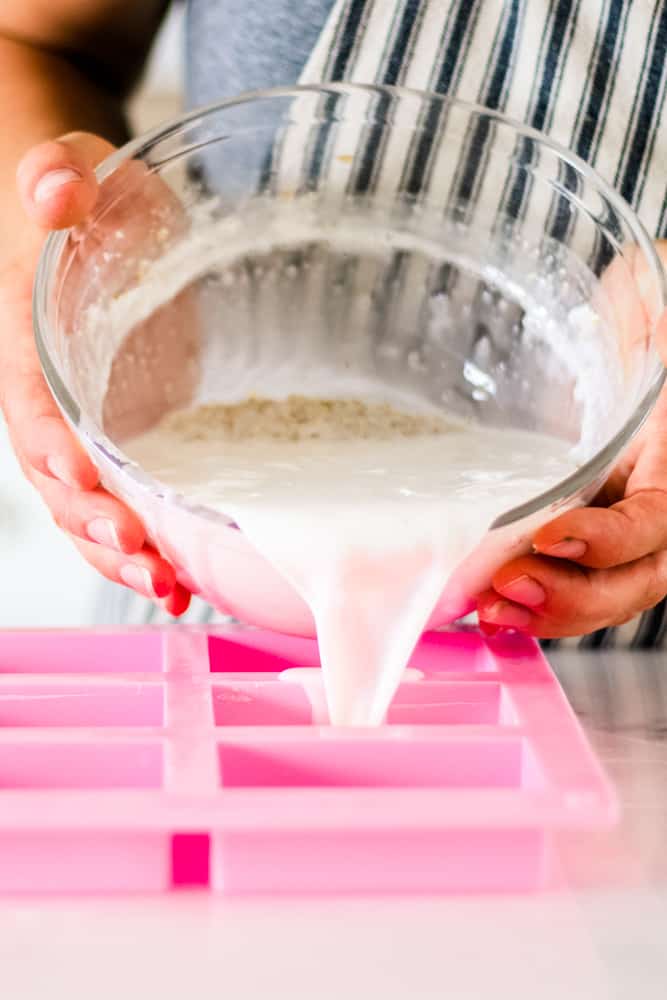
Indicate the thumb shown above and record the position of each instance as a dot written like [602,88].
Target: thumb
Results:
[661,323]
[56,180]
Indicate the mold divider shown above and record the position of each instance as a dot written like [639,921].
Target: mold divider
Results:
[190,749]
[191,754]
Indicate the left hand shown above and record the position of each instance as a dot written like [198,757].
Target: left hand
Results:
[107,533]
[595,566]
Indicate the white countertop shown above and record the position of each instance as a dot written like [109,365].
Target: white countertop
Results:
[603,937]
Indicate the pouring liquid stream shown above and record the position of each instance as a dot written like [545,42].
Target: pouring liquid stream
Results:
[367,528]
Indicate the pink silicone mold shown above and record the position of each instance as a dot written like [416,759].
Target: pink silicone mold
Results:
[150,759]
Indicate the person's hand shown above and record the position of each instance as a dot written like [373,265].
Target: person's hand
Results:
[595,566]
[57,187]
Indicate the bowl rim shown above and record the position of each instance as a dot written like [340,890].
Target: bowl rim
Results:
[588,474]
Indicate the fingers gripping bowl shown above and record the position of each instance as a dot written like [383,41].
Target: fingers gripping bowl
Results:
[459,257]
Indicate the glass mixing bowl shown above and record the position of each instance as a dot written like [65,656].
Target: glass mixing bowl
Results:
[433,244]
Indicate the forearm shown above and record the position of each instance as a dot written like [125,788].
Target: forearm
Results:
[42,95]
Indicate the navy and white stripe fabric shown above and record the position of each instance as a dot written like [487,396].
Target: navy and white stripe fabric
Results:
[590,73]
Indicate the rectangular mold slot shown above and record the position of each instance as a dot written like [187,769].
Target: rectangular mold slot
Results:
[81,705]
[80,765]
[446,704]
[372,764]
[458,652]
[80,652]
[240,654]
[256,703]
[58,861]
[190,853]
[425,861]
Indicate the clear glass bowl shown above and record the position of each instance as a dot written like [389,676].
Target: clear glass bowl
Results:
[452,252]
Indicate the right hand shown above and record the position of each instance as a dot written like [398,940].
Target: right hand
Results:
[57,187]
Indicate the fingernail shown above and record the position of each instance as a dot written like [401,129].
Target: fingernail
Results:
[162,588]
[569,548]
[103,531]
[138,578]
[55,179]
[58,469]
[524,590]
[504,613]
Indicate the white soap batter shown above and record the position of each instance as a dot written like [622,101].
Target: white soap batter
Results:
[367,530]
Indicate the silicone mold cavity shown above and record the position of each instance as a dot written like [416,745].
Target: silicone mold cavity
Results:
[81,705]
[391,764]
[80,765]
[69,652]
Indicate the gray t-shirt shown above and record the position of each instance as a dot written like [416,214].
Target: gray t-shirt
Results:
[238,45]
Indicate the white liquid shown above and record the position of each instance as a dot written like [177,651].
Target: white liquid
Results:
[367,531]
